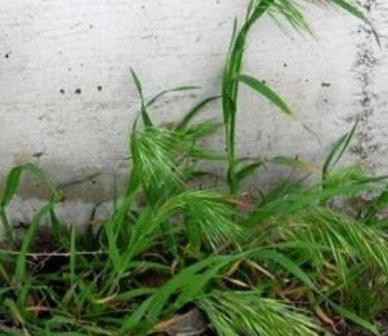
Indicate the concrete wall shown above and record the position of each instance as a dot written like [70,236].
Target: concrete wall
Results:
[66,96]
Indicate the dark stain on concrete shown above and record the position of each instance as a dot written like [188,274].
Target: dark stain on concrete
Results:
[365,64]
[38,155]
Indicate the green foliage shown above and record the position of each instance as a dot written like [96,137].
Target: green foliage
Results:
[280,10]
[280,264]
[330,235]
[248,313]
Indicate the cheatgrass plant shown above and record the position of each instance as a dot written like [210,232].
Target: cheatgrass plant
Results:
[283,11]
[179,260]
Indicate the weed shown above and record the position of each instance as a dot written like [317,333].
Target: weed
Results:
[288,263]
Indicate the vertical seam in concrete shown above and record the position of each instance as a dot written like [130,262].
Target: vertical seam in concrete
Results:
[365,64]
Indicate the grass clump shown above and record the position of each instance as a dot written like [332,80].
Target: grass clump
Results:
[172,259]
[248,313]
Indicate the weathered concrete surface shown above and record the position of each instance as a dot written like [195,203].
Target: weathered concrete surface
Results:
[66,96]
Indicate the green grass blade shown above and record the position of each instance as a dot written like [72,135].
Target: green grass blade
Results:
[258,9]
[206,154]
[290,203]
[293,163]
[356,11]
[20,268]
[59,232]
[73,251]
[143,108]
[355,318]
[194,111]
[199,130]
[155,98]
[266,92]
[249,313]
[11,186]
[135,319]
[183,279]
[153,306]
[287,264]
[12,183]
[337,152]
[350,8]
[247,171]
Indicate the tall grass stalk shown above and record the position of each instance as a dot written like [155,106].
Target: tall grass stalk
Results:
[288,10]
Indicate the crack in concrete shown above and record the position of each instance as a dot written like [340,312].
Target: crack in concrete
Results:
[365,65]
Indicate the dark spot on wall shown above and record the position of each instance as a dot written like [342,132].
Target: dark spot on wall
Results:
[99,88]
[325,101]
[81,65]
[365,101]
[69,69]
[78,91]
[62,91]
[368,5]
[38,154]
[374,148]
[285,65]
[91,26]
[307,80]
[263,81]
[7,55]
[21,225]
[325,84]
